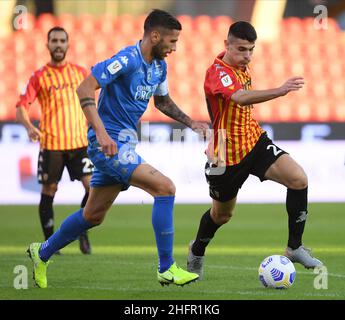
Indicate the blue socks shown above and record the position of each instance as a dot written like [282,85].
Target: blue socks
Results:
[163,226]
[69,231]
[162,221]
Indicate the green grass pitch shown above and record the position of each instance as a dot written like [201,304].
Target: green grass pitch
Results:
[124,259]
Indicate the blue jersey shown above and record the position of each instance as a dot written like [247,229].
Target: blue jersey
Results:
[127,83]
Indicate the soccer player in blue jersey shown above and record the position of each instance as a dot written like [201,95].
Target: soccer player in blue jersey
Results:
[127,81]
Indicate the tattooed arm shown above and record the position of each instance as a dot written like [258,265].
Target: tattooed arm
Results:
[166,105]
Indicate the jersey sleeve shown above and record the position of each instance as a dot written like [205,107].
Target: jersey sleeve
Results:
[223,81]
[30,93]
[163,88]
[109,70]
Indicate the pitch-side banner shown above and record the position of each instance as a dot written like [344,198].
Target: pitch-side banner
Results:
[323,161]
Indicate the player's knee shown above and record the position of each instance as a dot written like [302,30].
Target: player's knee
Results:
[165,188]
[50,189]
[221,217]
[298,182]
[94,217]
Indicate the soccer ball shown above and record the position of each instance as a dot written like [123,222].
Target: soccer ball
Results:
[277,272]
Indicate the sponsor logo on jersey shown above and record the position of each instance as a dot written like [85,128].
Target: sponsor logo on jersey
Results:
[145,92]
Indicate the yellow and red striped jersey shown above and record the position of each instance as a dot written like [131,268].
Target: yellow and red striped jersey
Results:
[62,123]
[235,131]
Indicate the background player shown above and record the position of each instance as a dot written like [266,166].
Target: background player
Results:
[62,131]
[128,80]
[240,147]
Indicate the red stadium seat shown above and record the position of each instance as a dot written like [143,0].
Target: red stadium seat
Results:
[221,25]
[105,24]
[187,24]
[45,22]
[154,115]
[199,109]
[203,25]
[292,25]
[300,50]
[68,22]
[87,24]
[339,111]
[126,26]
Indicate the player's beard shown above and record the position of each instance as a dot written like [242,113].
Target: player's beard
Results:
[58,57]
[157,51]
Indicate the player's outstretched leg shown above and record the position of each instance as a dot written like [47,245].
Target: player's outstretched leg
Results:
[40,267]
[303,256]
[176,275]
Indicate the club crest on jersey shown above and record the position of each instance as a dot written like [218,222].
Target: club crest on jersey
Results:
[149,74]
[114,67]
[226,81]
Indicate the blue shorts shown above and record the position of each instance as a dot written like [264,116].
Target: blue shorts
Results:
[113,170]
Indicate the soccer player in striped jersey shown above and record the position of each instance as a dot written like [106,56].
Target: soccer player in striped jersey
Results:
[127,80]
[62,132]
[240,147]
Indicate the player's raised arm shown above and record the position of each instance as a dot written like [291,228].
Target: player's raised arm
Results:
[248,97]
[166,105]
[86,94]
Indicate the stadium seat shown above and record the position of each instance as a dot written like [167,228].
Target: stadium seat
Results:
[203,25]
[221,25]
[68,22]
[187,24]
[86,24]
[105,24]
[199,109]
[45,22]
[154,115]
[339,112]
[300,50]
[126,26]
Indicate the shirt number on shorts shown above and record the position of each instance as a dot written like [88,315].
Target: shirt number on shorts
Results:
[88,165]
[276,151]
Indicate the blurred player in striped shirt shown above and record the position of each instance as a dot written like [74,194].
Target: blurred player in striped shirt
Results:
[240,147]
[62,132]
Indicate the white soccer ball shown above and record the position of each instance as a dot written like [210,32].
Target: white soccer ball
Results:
[277,272]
